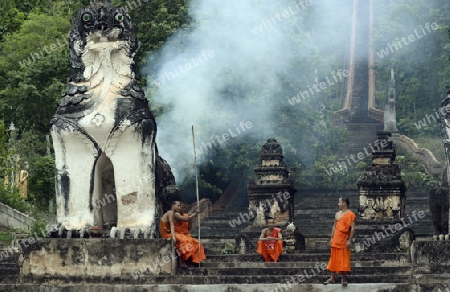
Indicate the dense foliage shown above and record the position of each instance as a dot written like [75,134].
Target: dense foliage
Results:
[421,63]
[34,66]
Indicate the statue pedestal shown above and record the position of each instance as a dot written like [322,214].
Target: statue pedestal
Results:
[96,257]
[431,256]
[389,235]
[439,208]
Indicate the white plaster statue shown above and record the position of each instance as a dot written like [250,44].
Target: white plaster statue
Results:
[103,131]
[274,209]
[370,212]
[242,246]
[260,217]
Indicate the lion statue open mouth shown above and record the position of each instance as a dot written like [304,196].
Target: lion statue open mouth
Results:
[108,172]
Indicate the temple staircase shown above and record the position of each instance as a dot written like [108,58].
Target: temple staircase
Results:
[303,270]
[314,216]
[9,267]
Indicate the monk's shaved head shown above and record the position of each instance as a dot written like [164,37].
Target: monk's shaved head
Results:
[345,199]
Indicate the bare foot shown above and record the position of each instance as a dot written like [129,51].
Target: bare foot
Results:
[329,281]
[183,266]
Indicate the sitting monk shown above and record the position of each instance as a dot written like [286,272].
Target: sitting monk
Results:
[175,222]
[270,243]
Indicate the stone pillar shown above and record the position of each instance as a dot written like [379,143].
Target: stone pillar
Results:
[382,226]
[271,194]
[381,189]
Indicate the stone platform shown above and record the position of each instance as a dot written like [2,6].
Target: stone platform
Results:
[372,287]
[85,258]
[426,267]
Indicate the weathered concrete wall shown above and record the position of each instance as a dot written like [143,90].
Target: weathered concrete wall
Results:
[431,256]
[98,257]
[10,217]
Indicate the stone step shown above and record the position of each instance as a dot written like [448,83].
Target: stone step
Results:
[218,215]
[311,204]
[9,279]
[308,223]
[312,256]
[296,265]
[8,265]
[309,229]
[299,207]
[307,276]
[319,206]
[313,223]
[10,271]
[285,271]
[260,287]
[319,212]
[216,241]
[224,227]
[352,193]
[7,256]
[225,220]
[299,215]
[216,234]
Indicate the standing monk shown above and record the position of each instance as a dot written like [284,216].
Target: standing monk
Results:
[270,243]
[341,241]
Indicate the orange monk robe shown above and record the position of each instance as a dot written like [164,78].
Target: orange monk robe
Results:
[340,254]
[164,229]
[270,250]
[187,246]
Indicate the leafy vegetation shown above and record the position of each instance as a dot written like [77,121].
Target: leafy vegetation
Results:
[421,66]
[6,236]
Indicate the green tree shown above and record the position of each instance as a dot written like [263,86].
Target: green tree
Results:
[42,182]
[34,69]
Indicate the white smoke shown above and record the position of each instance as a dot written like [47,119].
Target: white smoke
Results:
[241,60]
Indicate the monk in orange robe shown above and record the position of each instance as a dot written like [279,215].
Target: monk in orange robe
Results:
[164,226]
[341,241]
[187,247]
[270,243]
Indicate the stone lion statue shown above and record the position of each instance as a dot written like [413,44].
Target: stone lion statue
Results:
[104,133]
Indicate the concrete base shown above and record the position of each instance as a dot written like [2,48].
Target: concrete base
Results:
[431,256]
[227,288]
[98,257]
